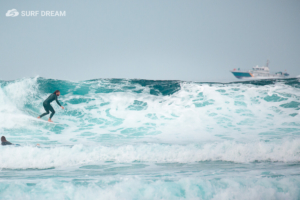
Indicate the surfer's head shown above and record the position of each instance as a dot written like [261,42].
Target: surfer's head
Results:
[3,139]
[57,92]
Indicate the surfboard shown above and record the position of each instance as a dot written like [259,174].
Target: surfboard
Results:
[44,121]
[35,115]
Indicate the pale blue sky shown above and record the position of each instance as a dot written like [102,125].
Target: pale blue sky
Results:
[157,39]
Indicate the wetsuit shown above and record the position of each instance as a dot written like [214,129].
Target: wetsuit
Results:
[48,107]
[6,143]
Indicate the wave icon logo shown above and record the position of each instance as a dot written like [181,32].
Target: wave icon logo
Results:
[12,13]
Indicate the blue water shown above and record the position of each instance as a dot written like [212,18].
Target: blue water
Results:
[144,139]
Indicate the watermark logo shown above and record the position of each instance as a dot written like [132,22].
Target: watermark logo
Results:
[12,13]
[36,13]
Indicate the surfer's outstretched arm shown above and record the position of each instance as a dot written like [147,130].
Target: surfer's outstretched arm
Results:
[58,102]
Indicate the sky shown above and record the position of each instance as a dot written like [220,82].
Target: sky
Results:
[159,39]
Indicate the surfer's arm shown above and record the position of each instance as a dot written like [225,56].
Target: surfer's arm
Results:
[57,101]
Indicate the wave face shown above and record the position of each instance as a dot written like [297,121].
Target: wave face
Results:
[146,139]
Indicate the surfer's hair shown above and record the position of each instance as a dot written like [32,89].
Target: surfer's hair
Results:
[3,139]
[56,91]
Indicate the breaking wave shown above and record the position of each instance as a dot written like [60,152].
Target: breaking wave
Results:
[121,121]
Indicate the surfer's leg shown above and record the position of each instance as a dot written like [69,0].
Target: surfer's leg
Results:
[52,111]
[47,111]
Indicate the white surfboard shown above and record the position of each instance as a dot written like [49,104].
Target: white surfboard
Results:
[35,115]
[44,121]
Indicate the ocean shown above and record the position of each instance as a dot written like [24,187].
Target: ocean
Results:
[148,139]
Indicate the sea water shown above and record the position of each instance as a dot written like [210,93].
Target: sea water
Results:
[146,139]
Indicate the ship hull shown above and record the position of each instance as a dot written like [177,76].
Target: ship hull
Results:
[241,75]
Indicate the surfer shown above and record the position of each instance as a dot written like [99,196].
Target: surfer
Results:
[48,106]
[4,141]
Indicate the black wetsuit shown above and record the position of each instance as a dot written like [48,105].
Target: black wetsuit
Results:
[48,107]
[6,143]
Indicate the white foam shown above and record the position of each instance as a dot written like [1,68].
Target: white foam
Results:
[32,157]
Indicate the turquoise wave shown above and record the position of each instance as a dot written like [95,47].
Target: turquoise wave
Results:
[151,139]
